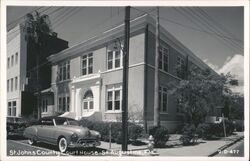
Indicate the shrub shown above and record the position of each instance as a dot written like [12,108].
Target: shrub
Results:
[239,125]
[188,134]
[134,131]
[160,135]
[213,130]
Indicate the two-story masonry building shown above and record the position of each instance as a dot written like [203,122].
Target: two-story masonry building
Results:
[87,78]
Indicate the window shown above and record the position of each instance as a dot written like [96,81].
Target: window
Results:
[9,108]
[180,67]
[163,99]
[88,103]
[44,105]
[163,58]
[8,63]
[114,59]
[11,85]
[16,83]
[87,64]
[8,85]
[114,101]
[12,108]
[12,60]
[63,103]
[16,60]
[64,71]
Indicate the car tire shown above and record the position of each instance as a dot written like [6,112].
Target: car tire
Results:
[62,144]
[31,141]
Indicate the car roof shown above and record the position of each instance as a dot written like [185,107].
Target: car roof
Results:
[55,117]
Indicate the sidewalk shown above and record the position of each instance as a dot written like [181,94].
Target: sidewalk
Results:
[203,148]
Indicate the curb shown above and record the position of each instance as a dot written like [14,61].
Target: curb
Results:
[225,146]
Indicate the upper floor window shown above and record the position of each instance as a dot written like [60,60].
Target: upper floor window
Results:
[114,59]
[114,95]
[16,83]
[8,63]
[64,71]
[163,58]
[16,60]
[12,60]
[11,85]
[163,99]
[8,85]
[180,67]
[87,64]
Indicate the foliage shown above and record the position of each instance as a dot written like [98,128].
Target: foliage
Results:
[239,125]
[200,94]
[134,131]
[213,130]
[188,134]
[160,135]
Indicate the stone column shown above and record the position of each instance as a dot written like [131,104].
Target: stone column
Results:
[72,106]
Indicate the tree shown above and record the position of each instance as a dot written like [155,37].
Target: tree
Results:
[36,26]
[201,94]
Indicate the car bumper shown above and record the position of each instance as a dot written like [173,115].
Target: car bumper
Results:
[84,144]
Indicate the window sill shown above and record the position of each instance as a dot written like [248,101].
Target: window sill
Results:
[165,113]
[63,81]
[113,112]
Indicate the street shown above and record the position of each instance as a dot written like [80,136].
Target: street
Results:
[22,148]
[236,150]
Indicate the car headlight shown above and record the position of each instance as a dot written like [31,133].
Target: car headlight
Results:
[74,137]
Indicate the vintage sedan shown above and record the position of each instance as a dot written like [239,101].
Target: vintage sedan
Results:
[63,132]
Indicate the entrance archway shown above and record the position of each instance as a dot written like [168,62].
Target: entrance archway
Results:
[87,103]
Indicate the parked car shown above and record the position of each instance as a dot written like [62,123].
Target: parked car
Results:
[15,126]
[63,132]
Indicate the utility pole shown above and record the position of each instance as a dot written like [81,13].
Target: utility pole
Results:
[125,81]
[156,85]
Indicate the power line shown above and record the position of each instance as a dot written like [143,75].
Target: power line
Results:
[213,28]
[187,14]
[187,26]
[70,14]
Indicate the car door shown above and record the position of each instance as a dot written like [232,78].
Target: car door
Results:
[45,131]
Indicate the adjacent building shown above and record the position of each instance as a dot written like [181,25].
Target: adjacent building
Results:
[22,69]
[87,78]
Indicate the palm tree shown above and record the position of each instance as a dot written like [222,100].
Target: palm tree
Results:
[36,26]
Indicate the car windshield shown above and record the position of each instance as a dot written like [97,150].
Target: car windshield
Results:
[63,121]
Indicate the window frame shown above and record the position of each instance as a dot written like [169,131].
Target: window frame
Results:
[162,56]
[114,89]
[61,107]
[163,93]
[64,71]
[87,58]
[113,60]
[179,62]
[16,57]
[16,83]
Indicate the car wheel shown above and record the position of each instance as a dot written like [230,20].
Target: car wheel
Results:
[62,145]
[31,141]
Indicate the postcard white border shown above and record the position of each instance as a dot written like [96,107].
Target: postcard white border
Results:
[3,92]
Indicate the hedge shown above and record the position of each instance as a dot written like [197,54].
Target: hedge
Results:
[134,131]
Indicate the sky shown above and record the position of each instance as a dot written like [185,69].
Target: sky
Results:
[214,34]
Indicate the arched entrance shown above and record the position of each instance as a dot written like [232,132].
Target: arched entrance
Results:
[87,102]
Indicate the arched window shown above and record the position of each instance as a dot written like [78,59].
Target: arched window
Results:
[88,103]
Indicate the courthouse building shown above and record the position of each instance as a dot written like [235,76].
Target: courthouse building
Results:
[87,78]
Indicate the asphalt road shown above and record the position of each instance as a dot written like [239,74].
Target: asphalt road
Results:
[20,147]
[236,150]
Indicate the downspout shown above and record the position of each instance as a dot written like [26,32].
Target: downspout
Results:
[145,78]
